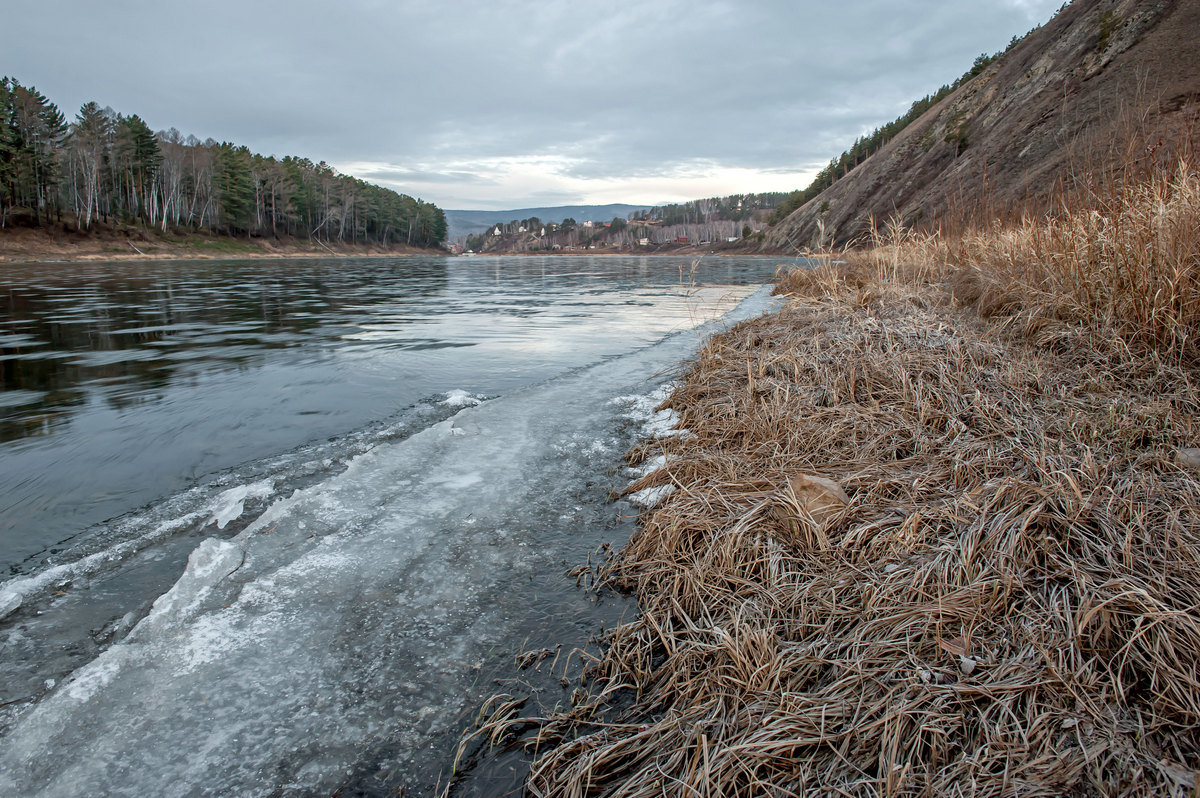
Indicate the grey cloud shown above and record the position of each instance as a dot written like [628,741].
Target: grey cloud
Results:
[402,176]
[627,90]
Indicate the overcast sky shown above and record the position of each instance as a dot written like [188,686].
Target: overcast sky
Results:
[511,104]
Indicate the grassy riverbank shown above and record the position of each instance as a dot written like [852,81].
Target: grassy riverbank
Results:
[935,531]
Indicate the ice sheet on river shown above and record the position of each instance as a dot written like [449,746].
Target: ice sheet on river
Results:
[352,610]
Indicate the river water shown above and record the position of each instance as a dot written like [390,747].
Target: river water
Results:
[276,527]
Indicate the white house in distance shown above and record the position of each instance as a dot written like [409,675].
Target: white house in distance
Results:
[496,232]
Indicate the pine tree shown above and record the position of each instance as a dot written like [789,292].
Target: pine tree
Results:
[234,186]
[8,148]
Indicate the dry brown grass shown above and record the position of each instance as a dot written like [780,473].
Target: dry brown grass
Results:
[1122,265]
[1127,265]
[1009,604]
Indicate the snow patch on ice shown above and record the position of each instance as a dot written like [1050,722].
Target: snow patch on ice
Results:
[654,496]
[664,424]
[458,481]
[599,447]
[212,636]
[641,407]
[655,423]
[229,505]
[647,468]
[586,445]
[643,410]
[651,497]
[460,398]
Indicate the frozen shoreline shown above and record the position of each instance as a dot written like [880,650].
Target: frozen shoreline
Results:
[355,610]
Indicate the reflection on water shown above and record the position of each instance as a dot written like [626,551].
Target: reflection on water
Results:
[126,330]
[124,382]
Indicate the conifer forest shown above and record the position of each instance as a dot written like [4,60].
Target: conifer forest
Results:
[105,168]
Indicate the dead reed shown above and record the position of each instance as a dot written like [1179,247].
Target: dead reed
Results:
[1123,264]
[1126,264]
[1009,601]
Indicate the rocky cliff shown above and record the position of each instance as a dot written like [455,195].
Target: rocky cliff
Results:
[1105,82]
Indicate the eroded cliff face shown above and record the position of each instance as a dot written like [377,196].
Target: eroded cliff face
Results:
[1103,83]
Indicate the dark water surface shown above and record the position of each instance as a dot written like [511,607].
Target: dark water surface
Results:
[124,382]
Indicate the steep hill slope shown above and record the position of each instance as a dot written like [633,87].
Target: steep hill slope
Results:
[1103,82]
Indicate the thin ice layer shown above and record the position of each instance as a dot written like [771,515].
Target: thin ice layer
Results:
[352,611]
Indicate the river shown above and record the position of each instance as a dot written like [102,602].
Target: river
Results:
[276,527]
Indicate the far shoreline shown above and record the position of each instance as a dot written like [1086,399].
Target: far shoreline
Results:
[31,245]
[134,257]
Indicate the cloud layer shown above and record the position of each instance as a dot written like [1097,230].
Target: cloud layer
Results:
[518,104]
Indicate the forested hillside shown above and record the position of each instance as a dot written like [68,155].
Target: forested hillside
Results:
[716,223]
[104,168]
[463,223]
[734,208]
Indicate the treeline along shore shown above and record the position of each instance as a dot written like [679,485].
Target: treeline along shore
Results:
[105,182]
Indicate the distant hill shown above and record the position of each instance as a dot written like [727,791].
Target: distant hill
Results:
[465,223]
[1105,83]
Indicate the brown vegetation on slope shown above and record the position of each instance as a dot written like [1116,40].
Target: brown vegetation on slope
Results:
[1007,603]
[1009,140]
